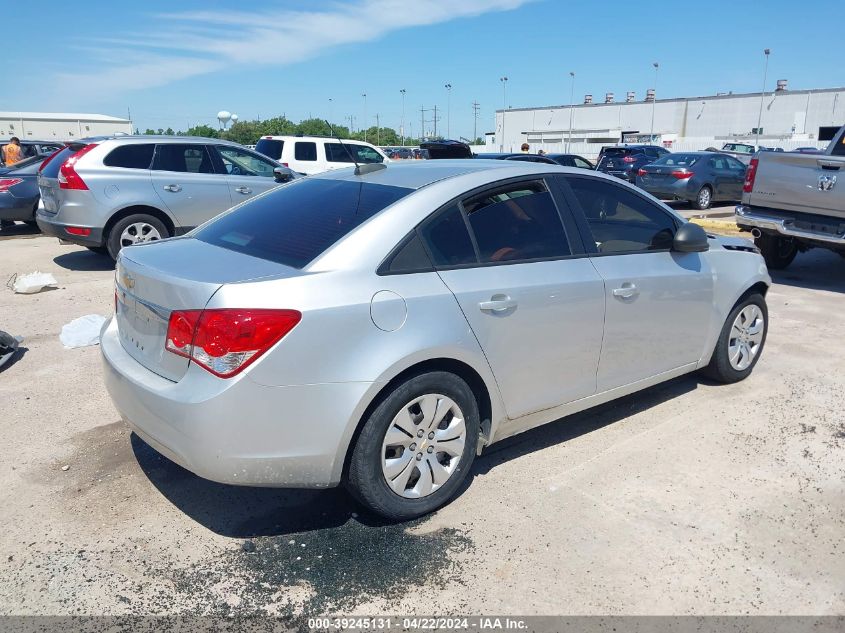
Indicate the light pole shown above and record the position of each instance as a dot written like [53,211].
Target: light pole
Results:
[331,108]
[504,81]
[364,94]
[402,127]
[766,52]
[448,109]
[571,110]
[653,103]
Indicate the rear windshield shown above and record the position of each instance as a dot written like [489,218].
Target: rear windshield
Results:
[52,168]
[678,160]
[294,224]
[270,148]
[621,151]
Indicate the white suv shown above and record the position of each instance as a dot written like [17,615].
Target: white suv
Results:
[315,154]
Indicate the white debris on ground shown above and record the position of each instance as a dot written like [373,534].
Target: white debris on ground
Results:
[83,331]
[33,282]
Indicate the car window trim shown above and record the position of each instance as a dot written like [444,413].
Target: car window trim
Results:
[584,225]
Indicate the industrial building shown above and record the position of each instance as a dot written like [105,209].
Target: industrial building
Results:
[789,119]
[60,126]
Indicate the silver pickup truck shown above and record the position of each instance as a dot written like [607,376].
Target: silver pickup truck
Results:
[792,202]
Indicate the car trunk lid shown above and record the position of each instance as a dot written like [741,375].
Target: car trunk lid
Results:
[153,280]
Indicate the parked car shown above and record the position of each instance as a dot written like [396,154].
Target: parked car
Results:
[527,158]
[379,330]
[625,160]
[700,178]
[807,150]
[571,160]
[791,202]
[19,191]
[30,149]
[741,151]
[315,154]
[109,192]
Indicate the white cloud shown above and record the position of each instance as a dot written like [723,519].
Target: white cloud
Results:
[187,44]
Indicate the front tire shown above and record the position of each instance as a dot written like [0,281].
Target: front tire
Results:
[416,447]
[134,229]
[777,251]
[704,198]
[741,341]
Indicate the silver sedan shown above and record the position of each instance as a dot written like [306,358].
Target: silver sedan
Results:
[381,327]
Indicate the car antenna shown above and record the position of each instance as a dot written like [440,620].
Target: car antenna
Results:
[360,170]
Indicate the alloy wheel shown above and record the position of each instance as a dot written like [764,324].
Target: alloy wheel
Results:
[138,233]
[746,337]
[423,445]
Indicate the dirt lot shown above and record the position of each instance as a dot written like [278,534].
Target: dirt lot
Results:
[687,498]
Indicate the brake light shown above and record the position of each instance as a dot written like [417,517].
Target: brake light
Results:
[628,159]
[68,178]
[680,174]
[81,231]
[285,164]
[5,183]
[49,158]
[750,175]
[641,172]
[225,341]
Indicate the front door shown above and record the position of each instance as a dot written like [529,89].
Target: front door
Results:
[659,302]
[184,178]
[535,306]
[248,174]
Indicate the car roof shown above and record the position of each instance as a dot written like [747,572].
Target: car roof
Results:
[418,174]
[154,138]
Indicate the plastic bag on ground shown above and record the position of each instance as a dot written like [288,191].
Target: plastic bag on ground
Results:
[83,331]
[33,282]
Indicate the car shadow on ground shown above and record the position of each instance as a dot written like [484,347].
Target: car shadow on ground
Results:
[19,230]
[246,512]
[84,261]
[817,269]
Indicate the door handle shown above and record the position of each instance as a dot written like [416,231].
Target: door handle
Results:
[497,303]
[627,291]
[173,188]
[244,190]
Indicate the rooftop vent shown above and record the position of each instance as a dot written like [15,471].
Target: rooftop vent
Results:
[588,98]
[781,85]
[608,97]
[649,95]
[631,97]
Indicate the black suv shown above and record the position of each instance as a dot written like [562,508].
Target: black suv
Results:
[624,161]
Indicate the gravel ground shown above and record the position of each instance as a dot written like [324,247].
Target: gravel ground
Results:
[688,498]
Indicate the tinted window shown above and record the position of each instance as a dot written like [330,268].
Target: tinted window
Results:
[305,151]
[270,147]
[620,151]
[411,257]
[448,240]
[343,153]
[294,224]
[52,168]
[238,162]
[134,156]
[733,163]
[678,160]
[192,159]
[620,220]
[718,162]
[839,148]
[517,222]
[582,163]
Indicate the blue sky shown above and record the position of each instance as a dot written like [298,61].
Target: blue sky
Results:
[177,63]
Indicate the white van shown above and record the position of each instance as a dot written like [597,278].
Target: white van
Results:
[313,154]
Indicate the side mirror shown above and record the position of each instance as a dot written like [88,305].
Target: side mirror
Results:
[690,238]
[282,174]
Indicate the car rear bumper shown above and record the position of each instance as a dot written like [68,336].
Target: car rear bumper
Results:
[678,190]
[236,431]
[16,209]
[50,226]
[827,231]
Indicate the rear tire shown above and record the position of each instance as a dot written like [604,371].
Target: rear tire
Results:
[402,452]
[741,341]
[777,251]
[134,229]
[704,198]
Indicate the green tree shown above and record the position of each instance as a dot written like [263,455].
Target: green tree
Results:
[169,131]
[243,132]
[202,130]
[149,131]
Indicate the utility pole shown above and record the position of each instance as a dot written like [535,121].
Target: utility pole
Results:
[762,92]
[653,103]
[378,131]
[365,115]
[435,120]
[504,81]
[351,118]
[571,110]
[448,110]
[475,108]
[402,126]
[422,122]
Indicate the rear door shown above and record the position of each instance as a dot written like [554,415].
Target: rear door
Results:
[734,179]
[533,301]
[302,157]
[659,302]
[247,173]
[185,180]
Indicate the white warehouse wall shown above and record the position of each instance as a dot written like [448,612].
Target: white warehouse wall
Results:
[59,126]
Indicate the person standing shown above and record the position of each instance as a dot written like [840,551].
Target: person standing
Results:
[12,152]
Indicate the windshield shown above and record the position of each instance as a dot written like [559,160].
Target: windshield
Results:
[740,148]
[678,160]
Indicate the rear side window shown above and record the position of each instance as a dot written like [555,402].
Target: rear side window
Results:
[294,224]
[188,158]
[52,168]
[410,258]
[344,152]
[518,222]
[448,239]
[839,148]
[134,156]
[305,151]
[270,148]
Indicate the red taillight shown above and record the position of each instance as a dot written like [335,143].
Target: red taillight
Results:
[68,178]
[78,230]
[225,341]
[680,174]
[49,158]
[750,175]
[641,172]
[628,159]
[5,183]
[285,164]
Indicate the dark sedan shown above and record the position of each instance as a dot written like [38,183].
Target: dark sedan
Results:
[697,177]
[19,191]
[527,158]
[571,160]
[623,161]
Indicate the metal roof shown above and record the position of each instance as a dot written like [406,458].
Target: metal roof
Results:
[62,116]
